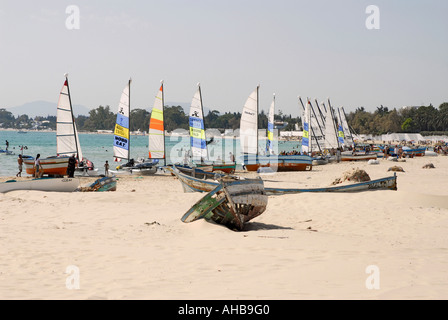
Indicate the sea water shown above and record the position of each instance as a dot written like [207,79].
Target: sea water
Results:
[98,148]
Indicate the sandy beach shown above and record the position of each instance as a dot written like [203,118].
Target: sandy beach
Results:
[131,243]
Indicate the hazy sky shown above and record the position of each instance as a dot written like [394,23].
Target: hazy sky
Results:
[315,49]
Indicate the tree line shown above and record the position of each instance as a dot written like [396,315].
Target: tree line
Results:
[410,120]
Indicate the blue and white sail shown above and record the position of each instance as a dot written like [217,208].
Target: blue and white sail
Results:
[121,133]
[270,140]
[198,142]
[306,121]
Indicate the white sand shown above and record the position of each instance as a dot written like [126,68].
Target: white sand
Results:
[131,244]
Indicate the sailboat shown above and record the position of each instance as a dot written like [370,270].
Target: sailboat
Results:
[249,143]
[67,141]
[198,143]
[156,138]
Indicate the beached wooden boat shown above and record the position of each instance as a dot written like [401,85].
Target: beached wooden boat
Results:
[231,203]
[103,184]
[358,157]
[414,152]
[51,166]
[278,163]
[43,184]
[203,182]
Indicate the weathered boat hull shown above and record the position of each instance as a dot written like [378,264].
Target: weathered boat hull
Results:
[103,184]
[230,203]
[278,163]
[359,157]
[51,166]
[43,184]
[207,184]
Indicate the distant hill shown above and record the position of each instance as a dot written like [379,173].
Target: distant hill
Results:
[44,108]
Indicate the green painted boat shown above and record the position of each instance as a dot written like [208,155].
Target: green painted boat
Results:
[231,203]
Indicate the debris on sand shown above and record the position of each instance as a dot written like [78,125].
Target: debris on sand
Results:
[396,169]
[355,175]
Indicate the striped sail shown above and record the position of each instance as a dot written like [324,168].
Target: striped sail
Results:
[156,143]
[249,125]
[306,119]
[198,143]
[331,140]
[66,133]
[270,141]
[121,133]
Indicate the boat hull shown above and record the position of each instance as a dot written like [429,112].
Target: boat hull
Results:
[207,183]
[43,184]
[359,157]
[51,166]
[230,203]
[279,163]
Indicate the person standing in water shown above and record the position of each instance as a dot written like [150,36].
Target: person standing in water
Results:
[106,168]
[38,172]
[20,163]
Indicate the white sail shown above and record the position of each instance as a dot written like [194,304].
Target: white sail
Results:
[270,141]
[198,142]
[249,125]
[66,134]
[121,133]
[331,139]
[156,143]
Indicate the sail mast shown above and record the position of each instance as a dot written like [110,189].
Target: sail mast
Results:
[256,117]
[129,112]
[163,126]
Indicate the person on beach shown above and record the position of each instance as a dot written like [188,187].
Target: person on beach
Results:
[7,145]
[232,157]
[20,163]
[71,166]
[106,168]
[38,172]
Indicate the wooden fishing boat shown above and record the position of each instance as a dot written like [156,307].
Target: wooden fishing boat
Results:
[203,182]
[103,184]
[51,166]
[358,156]
[278,163]
[43,184]
[231,203]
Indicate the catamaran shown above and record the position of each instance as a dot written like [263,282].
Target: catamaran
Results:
[198,142]
[249,143]
[67,141]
